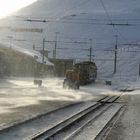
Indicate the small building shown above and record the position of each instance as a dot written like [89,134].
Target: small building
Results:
[61,65]
[21,62]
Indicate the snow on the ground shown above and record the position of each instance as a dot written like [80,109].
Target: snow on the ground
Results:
[16,92]
[21,92]
[20,99]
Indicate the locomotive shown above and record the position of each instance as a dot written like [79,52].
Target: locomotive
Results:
[82,73]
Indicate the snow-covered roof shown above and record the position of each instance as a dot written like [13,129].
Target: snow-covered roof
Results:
[35,54]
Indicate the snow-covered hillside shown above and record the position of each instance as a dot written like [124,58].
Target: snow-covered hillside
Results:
[79,21]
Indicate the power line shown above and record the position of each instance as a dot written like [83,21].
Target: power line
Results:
[24,42]
[124,22]
[67,42]
[111,22]
[72,21]
[71,17]
[77,22]
[63,48]
[108,16]
[97,19]
[74,7]
[66,11]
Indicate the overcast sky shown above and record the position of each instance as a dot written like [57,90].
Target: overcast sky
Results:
[9,6]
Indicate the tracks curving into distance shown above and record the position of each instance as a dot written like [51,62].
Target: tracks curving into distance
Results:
[62,124]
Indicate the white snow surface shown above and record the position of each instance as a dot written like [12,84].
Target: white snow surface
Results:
[51,90]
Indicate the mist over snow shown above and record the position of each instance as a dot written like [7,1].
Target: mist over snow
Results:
[64,13]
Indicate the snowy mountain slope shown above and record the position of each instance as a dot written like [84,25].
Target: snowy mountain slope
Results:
[65,11]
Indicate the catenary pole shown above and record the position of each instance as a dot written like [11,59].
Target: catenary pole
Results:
[115,59]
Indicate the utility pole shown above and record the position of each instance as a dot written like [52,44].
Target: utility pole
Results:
[33,46]
[10,37]
[55,49]
[115,60]
[43,50]
[139,67]
[90,55]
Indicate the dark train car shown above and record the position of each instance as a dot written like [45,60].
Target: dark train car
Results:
[81,74]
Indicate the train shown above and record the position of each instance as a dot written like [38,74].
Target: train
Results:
[82,73]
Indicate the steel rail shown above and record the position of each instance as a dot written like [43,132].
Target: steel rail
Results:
[47,134]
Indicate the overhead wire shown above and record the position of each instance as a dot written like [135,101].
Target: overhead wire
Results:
[74,7]
[109,18]
[82,3]
[66,19]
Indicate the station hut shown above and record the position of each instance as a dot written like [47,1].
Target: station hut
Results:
[61,65]
[21,62]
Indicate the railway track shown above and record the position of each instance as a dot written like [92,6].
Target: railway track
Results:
[63,124]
